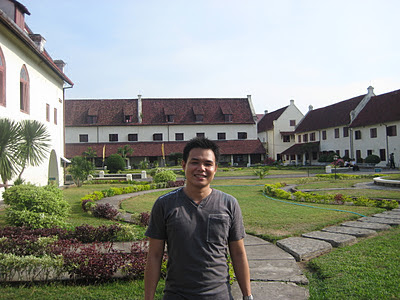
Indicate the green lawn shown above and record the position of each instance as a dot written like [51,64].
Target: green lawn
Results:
[369,269]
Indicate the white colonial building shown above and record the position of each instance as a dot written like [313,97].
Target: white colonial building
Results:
[276,130]
[155,128]
[353,129]
[32,87]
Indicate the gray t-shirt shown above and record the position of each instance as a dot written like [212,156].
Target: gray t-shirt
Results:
[197,238]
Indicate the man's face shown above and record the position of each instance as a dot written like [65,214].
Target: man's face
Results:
[200,167]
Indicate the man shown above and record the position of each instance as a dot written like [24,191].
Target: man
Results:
[198,224]
[392,164]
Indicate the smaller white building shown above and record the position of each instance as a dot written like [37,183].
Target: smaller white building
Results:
[276,130]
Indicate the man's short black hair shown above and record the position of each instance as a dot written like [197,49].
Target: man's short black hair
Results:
[203,143]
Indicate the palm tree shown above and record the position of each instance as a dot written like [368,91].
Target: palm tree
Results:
[90,154]
[124,152]
[9,143]
[35,144]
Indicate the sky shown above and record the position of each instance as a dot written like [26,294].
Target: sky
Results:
[314,52]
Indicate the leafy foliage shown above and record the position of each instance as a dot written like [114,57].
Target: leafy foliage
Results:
[9,143]
[35,207]
[80,169]
[372,159]
[106,211]
[115,163]
[164,176]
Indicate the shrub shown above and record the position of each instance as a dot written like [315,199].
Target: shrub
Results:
[115,163]
[80,169]
[164,176]
[35,207]
[372,159]
[262,172]
[106,211]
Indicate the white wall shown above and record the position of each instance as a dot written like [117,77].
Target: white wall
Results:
[45,87]
[100,134]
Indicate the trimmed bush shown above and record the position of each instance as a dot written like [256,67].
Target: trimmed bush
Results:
[372,159]
[115,163]
[106,211]
[164,176]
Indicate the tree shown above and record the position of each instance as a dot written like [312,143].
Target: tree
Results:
[80,169]
[9,144]
[35,144]
[308,149]
[115,163]
[176,157]
[125,152]
[90,154]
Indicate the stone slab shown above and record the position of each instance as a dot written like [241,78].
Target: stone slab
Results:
[263,252]
[273,291]
[396,209]
[387,221]
[366,225]
[335,239]
[250,240]
[357,232]
[304,249]
[390,216]
[276,270]
[392,212]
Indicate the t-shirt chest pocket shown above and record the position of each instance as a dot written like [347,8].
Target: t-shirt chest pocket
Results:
[218,228]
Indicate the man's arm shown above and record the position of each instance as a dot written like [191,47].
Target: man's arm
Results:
[241,266]
[153,267]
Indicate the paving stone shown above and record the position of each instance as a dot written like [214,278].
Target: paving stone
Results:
[358,232]
[390,216]
[335,239]
[387,221]
[259,252]
[273,291]
[366,225]
[303,248]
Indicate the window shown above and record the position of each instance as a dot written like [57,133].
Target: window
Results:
[199,118]
[91,119]
[128,118]
[312,136]
[2,79]
[391,130]
[369,152]
[299,138]
[170,118]
[286,138]
[132,137]
[228,117]
[47,112]
[337,133]
[382,154]
[357,135]
[157,137]
[221,135]
[358,155]
[83,138]
[292,122]
[242,135]
[305,138]
[373,133]
[200,134]
[24,90]
[345,131]
[324,134]
[178,136]
[113,137]
[347,153]
[55,116]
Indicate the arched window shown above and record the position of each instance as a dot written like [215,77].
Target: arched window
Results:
[24,90]
[2,79]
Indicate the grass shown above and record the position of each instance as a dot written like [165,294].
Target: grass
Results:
[269,219]
[367,270]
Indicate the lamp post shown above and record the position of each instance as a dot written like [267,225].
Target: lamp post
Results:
[335,158]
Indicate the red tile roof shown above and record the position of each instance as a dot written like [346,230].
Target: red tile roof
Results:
[266,122]
[329,116]
[154,111]
[143,149]
[379,109]
[298,148]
